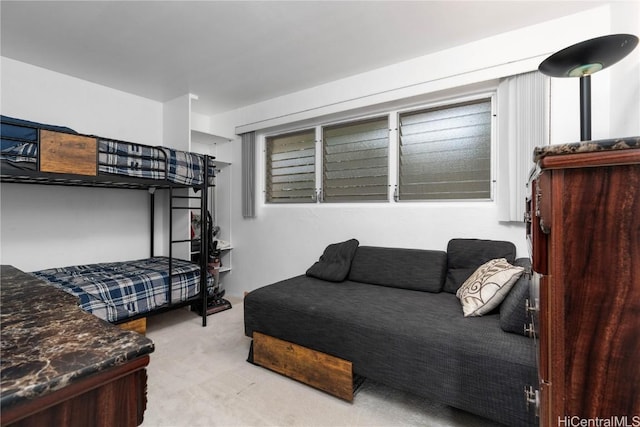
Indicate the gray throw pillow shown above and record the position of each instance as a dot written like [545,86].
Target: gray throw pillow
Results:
[513,315]
[464,256]
[335,261]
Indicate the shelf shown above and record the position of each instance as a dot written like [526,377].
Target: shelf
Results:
[217,146]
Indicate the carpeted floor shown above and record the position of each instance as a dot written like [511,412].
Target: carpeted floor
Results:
[200,377]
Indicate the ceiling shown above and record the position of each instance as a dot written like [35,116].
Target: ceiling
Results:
[236,53]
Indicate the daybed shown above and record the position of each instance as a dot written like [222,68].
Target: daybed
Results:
[392,315]
[36,153]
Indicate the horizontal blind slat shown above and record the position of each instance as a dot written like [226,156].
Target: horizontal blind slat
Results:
[357,155]
[359,191]
[446,176]
[482,130]
[446,112]
[414,144]
[294,178]
[297,154]
[445,124]
[371,144]
[375,163]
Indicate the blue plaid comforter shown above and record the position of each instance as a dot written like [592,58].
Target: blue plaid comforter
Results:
[118,290]
[123,158]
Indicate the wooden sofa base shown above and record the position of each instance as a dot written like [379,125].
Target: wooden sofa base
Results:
[322,371]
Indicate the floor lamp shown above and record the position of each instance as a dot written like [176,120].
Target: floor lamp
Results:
[582,60]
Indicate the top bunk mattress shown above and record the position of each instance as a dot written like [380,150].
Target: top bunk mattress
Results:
[22,140]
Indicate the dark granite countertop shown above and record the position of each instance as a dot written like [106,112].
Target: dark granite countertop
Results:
[48,342]
[586,147]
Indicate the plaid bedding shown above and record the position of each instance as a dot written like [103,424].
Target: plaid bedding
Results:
[25,152]
[130,156]
[118,290]
[128,159]
[120,158]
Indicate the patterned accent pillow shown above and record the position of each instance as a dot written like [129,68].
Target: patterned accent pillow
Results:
[485,289]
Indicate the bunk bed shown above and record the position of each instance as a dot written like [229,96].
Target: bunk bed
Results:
[129,291]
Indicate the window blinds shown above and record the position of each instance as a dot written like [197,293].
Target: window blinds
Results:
[445,153]
[522,110]
[291,168]
[355,161]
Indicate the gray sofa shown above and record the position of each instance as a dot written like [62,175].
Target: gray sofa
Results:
[395,315]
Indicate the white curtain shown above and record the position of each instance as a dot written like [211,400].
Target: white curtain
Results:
[248,174]
[523,110]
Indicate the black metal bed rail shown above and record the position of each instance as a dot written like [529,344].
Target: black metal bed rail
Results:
[158,310]
[70,180]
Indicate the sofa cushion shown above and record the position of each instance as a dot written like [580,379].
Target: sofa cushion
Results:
[464,256]
[417,269]
[487,287]
[335,261]
[513,314]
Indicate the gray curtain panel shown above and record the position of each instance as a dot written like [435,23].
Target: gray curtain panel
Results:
[248,174]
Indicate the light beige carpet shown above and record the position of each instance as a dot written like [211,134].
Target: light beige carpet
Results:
[200,377]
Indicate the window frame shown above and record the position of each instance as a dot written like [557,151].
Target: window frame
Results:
[491,96]
[321,142]
[392,112]
[267,166]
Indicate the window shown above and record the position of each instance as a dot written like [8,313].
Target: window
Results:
[445,152]
[291,168]
[437,153]
[355,161]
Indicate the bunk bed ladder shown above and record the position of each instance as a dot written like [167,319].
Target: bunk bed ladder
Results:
[204,240]
[152,220]
[180,201]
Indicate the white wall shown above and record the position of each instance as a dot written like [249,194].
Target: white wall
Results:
[285,240]
[625,75]
[48,226]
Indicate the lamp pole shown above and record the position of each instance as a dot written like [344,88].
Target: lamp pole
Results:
[585,108]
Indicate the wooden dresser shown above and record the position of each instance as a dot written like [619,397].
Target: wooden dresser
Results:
[62,366]
[583,228]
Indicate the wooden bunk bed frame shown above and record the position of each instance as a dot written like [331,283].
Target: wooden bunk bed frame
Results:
[71,159]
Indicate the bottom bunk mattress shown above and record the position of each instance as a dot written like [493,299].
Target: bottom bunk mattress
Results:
[116,291]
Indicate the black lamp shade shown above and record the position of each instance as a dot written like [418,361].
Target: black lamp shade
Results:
[589,56]
[582,60]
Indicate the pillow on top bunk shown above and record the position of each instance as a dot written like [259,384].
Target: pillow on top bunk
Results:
[16,132]
[24,129]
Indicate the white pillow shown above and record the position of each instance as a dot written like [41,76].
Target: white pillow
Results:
[485,289]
